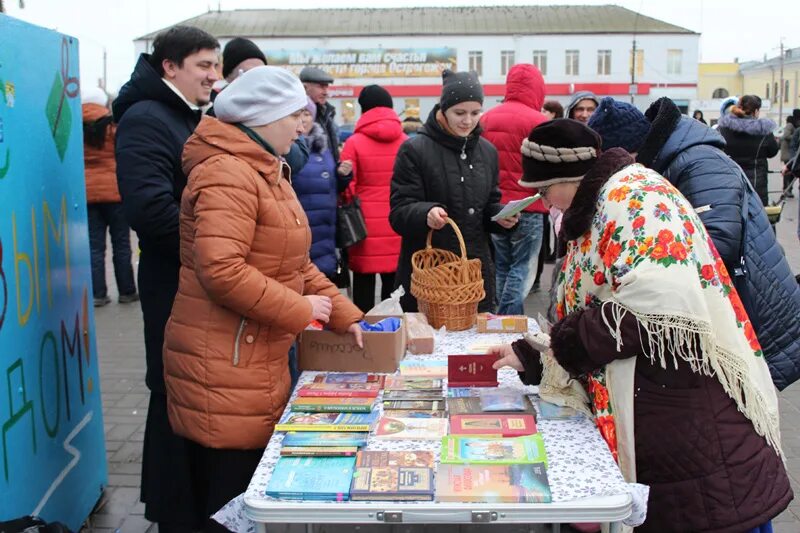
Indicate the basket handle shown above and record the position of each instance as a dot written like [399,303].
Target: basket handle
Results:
[458,234]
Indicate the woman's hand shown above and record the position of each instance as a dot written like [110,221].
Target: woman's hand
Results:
[509,222]
[345,168]
[506,357]
[355,329]
[320,307]
[436,218]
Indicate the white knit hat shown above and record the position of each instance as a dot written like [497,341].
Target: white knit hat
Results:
[260,96]
[94,95]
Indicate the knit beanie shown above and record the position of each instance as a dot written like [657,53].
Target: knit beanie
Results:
[373,96]
[311,107]
[94,95]
[238,50]
[620,125]
[726,104]
[557,151]
[260,96]
[460,87]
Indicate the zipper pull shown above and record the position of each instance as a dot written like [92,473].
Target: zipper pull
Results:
[462,179]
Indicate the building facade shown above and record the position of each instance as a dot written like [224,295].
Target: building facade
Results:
[576,47]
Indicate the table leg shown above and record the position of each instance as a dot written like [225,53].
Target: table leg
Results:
[261,527]
[556,528]
[615,527]
[309,528]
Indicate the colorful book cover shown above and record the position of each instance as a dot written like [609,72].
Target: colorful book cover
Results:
[423,368]
[339,390]
[326,422]
[392,413]
[464,406]
[392,483]
[551,411]
[519,483]
[471,371]
[312,478]
[381,458]
[462,392]
[324,438]
[496,425]
[312,404]
[319,451]
[411,428]
[457,449]
[348,377]
[412,395]
[393,383]
[415,405]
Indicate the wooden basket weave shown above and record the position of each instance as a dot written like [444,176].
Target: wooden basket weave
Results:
[447,287]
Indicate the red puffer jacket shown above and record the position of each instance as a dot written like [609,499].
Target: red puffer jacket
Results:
[372,149]
[506,125]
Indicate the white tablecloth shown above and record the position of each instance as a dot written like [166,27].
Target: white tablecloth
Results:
[580,464]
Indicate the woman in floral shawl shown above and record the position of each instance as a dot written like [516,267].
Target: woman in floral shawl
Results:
[653,340]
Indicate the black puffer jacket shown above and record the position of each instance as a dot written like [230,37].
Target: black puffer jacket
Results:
[750,143]
[437,169]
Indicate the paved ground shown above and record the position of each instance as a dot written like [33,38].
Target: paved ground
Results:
[125,396]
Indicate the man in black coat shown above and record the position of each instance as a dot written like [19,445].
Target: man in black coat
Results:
[316,82]
[157,111]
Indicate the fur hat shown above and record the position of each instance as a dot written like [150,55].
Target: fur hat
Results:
[560,150]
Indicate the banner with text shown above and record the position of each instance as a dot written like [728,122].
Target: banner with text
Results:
[368,63]
[51,424]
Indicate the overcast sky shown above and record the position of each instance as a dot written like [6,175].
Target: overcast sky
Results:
[729,28]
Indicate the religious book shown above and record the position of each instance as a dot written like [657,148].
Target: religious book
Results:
[415,405]
[339,390]
[319,451]
[415,458]
[411,428]
[348,377]
[397,383]
[358,422]
[412,395]
[386,483]
[517,483]
[458,449]
[310,404]
[324,438]
[502,425]
[423,368]
[471,371]
[312,478]
[551,411]
[396,413]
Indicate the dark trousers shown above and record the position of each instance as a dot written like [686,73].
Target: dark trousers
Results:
[102,218]
[364,289]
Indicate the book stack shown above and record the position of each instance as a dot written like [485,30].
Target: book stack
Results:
[413,409]
[383,475]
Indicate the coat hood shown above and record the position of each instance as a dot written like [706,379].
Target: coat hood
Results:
[214,137]
[746,125]
[146,84]
[525,84]
[381,124]
[577,97]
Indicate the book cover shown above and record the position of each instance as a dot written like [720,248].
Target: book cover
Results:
[312,478]
[415,405]
[339,390]
[410,458]
[469,405]
[412,395]
[403,383]
[324,438]
[457,449]
[348,377]
[310,404]
[392,413]
[471,371]
[359,422]
[462,392]
[501,400]
[551,411]
[519,483]
[498,425]
[423,368]
[411,428]
[392,483]
[319,451]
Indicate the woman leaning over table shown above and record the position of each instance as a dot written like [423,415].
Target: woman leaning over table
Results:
[247,285]
[448,170]
[653,340]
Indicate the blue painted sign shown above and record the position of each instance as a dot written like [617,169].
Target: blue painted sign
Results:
[52,450]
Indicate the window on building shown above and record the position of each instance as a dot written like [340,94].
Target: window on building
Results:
[506,61]
[572,63]
[639,62]
[766,97]
[674,61]
[720,93]
[540,60]
[476,62]
[775,94]
[785,91]
[604,62]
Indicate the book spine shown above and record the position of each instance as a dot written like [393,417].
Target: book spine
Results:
[310,393]
[323,427]
[305,408]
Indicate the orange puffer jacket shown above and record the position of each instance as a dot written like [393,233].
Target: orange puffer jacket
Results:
[100,166]
[245,267]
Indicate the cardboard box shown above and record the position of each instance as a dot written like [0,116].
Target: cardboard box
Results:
[420,334]
[329,351]
[489,323]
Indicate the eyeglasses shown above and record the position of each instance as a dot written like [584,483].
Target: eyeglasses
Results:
[543,190]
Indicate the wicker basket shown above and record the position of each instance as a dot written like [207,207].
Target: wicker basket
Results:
[447,287]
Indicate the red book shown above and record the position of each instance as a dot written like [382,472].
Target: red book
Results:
[339,390]
[495,425]
[471,371]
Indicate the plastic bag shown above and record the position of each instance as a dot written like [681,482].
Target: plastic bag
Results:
[390,306]
[387,324]
[502,400]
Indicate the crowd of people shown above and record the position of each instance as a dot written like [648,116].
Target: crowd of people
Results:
[674,309]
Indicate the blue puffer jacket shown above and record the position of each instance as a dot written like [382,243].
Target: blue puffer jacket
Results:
[316,188]
[691,158]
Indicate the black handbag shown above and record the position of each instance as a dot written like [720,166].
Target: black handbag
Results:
[350,225]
